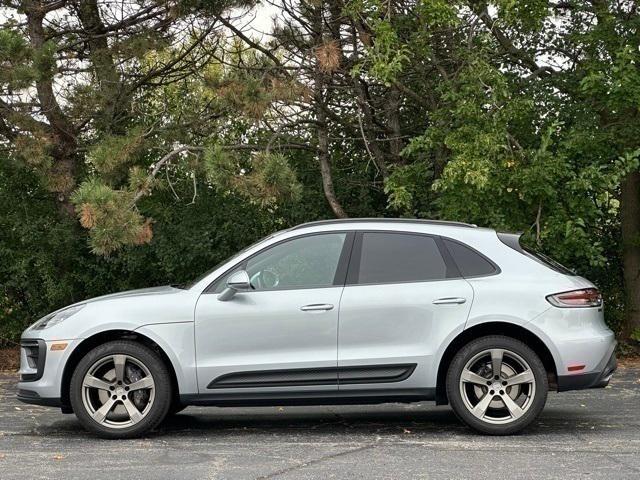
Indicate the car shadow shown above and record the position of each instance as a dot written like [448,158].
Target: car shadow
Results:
[294,419]
[436,421]
[391,420]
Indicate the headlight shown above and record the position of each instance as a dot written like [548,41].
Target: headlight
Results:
[56,317]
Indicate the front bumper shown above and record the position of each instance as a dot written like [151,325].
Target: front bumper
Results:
[599,378]
[33,398]
[41,371]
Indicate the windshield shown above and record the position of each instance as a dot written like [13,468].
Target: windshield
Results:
[187,286]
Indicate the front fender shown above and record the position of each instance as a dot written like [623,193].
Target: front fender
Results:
[176,341]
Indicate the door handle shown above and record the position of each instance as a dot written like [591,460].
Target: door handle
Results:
[449,301]
[314,307]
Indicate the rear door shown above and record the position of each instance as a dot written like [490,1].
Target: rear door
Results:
[403,297]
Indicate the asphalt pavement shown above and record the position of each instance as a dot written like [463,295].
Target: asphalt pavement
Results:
[588,434]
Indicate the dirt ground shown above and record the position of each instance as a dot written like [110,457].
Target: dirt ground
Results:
[9,359]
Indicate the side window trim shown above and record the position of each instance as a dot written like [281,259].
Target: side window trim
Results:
[339,278]
[496,267]
[452,267]
[452,271]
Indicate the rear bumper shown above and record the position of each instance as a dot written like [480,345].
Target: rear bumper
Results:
[599,378]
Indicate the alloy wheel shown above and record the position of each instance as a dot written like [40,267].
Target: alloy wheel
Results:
[497,386]
[118,391]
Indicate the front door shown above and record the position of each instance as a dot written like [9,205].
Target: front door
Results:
[281,335]
[401,301]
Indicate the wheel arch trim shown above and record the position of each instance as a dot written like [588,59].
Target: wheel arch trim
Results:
[529,334]
[144,335]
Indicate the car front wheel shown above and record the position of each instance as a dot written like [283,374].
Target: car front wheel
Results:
[497,385]
[120,389]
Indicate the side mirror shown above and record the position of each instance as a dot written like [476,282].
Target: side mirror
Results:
[237,282]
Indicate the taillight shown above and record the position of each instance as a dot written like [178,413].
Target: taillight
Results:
[586,297]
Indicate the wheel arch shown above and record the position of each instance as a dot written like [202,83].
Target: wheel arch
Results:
[493,328]
[100,338]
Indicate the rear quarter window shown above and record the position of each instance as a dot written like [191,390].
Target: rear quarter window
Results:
[470,262]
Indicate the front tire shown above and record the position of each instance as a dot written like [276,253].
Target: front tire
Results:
[121,389]
[497,385]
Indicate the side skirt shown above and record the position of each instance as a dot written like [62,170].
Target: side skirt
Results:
[314,376]
[351,397]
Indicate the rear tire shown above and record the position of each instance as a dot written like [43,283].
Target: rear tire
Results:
[499,404]
[121,389]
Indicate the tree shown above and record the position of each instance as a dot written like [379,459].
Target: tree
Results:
[518,116]
[75,76]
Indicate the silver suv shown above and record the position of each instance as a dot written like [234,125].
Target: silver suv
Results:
[353,311]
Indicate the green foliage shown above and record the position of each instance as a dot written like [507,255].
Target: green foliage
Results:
[385,54]
[45,263]
[404,188]
[485,135]
[265,178]
[220,167]
[44,61]
[110,216]
[15,51]
[384,60]
[114,152]
[527,15]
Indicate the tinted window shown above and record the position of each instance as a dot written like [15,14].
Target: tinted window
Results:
[309,261]
[399,257]
[469,262]
[548,261]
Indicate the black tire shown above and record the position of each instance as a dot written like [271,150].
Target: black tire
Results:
[175,408]
[157,410]
[510,345]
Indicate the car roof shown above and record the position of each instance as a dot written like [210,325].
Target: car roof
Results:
[392,221]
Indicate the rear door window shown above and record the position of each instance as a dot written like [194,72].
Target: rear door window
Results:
[390,257]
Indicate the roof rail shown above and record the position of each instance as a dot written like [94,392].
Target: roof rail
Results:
[384,220]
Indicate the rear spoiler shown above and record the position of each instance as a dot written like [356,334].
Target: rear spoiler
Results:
[512,240]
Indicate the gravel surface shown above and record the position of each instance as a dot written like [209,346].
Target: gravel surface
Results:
[587,434]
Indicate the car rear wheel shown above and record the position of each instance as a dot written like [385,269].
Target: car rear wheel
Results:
[497,385]
[120,389]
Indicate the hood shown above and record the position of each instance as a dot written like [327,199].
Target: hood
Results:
[164,290]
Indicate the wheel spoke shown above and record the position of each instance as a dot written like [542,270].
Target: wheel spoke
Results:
[146,382]
[93,382]
[480,409]
[119,362]
[496,361]
[107,387]
[524,377]
[470,377]
[514,409]
[100,414]
[132,410]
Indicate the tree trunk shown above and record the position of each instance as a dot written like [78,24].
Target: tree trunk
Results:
[368,127]
[62,174]
[393,101]
[322,130]
[324,157]
[327,183]
[630,224]
[114,106]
